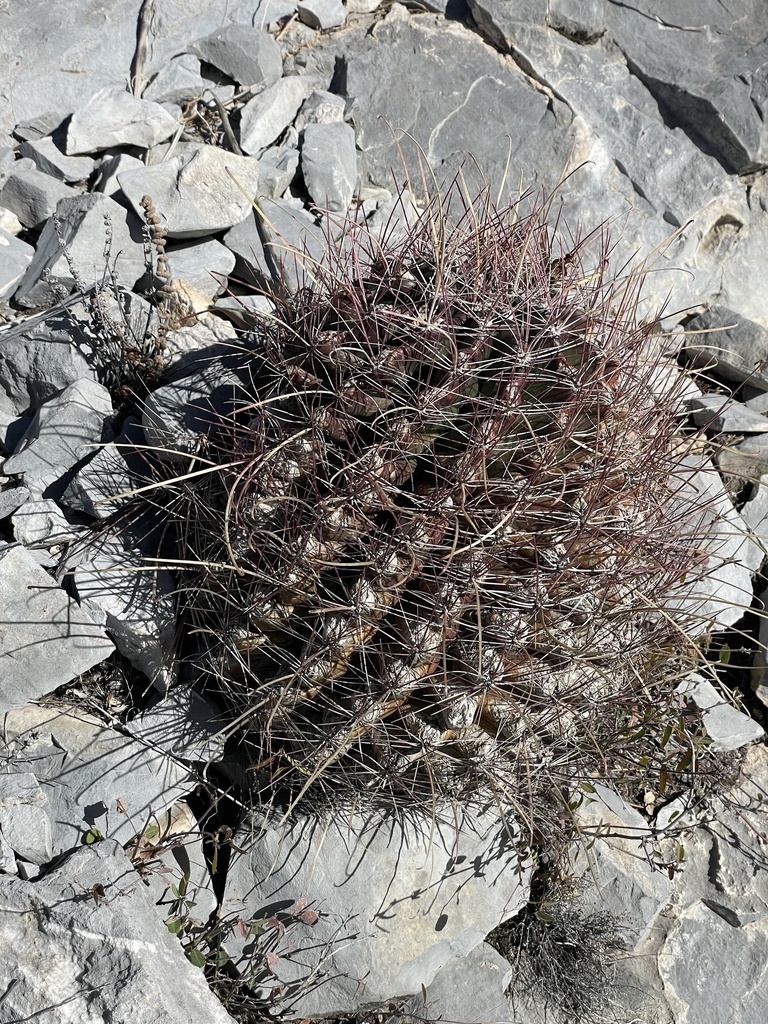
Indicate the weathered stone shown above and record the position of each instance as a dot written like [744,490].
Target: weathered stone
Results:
[20,788]
[41,524]
[109,169]
[391,899]
[59,436]
[466,990]
[583,21]
[133,599]
[294,244]
[727,727]
[247,54]
[178,82]
[115,470]
[114,117]
[329,165]
[8,864]
[723,415]
[720,591]
[263,118]
[245,311]
[32,195]
[46,639]
[277,169]
[41,356]
[15,257]
[198,193]
[749,459]
[93,777]
[706,65]
[9,222]
[625,885]
[64,59]
[244,240]
[737,347]
[206,266]
[51,160]
[175,415]
[322,14]
[92,236]
[11,499]
[184,724]
[135,969]
[27,830]
[321,107]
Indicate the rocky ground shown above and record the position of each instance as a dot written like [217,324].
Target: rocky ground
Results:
[120,858]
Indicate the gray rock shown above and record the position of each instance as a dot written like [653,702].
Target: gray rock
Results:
[244,240]
[7,159]
[583,21]
[198,193]
[749,459]
[27,830]
[41,524]
[727,727]
[245,312]
[133,599]
[102,486]
[329,165]
[205,265]
[9,222]
[32,195]
[294,244]
[41,356]
[109,169]
[178,82]
[8,865]
[51,160]
[46,639]
[723,415]
[184,724]
[263,118]
[392,898]
[114,117]
[706,66]
[177,414]
[277,169]
[720,591]
[466,990]
[322,107]
[20,788]
[71,61]
[89,773]
[625,884]
[11,499]
[735,346]
[92,236]
[15,257]
[713,971]
[322,14]
[136,969]
[247,54]
[60,435]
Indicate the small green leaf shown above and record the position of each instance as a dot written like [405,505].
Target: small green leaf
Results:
[725,654]
[587,787]
[222,957]
[173,924]
[150,832]
[195,957]
[257,927]
[680,853]
[93,836]
[542,915]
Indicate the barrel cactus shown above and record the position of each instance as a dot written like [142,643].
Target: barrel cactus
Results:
[431,549]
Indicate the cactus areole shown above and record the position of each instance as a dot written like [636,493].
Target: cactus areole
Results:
[429,549]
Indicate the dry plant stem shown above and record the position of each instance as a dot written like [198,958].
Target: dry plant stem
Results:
[431,548]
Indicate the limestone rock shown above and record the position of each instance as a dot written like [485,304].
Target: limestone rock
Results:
[322,14]
[32,195]
[263,118]
[46,639]
[51,160]
[247,54]
[135,968]
[198,193]
[392,899]
[15,257]
[113,117]
[329,164]
[206,265]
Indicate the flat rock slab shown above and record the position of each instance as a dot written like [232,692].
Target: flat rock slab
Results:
[197,193]
[46,639]
[247,54]
[68,958]
[113,117]
[85,768]
[391,902]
